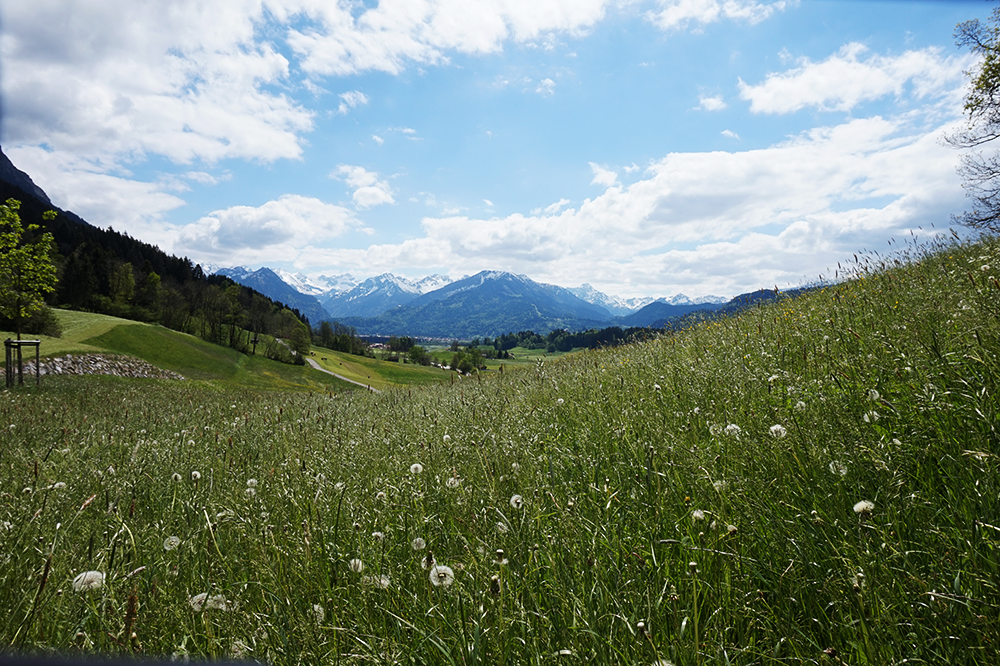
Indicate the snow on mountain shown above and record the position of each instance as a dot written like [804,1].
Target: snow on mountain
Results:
[616,305]
[432,282]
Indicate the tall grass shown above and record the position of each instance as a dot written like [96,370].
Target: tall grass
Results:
[814,481]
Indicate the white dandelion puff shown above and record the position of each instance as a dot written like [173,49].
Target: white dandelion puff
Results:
[446,439]
[732,430]
[416,468]
[176,478]
[88,580]
[357,566]
[251,483]
[778,431]
[864,507]
[441,575]
[800,406]
[218,602]
[697,515]
[382,582]
[871,417]
[197,602]
[418,544]
[838,468]
[59,485]
[171,543]
[195,475]
[319,613]
[378,536]
[453,482]
[873,394]
[516,501]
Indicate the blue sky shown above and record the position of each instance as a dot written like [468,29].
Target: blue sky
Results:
[646,147]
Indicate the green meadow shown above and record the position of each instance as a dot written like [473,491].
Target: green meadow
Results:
[811,482]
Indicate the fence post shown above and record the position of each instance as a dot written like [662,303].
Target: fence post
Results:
[8,368]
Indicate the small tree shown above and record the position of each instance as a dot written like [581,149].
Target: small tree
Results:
[27,273]
[980,172]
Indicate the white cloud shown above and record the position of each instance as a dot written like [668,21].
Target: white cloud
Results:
[351,100]
[730,134]
[339,40]
[853,76]
[369,190]
[714,103]
[679,14]
[279,230]
[719,222]
[121,79]
[377,139]
[546,87]
[603,176]
[552,209]
[488,203]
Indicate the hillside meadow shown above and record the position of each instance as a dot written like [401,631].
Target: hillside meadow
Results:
[812,482]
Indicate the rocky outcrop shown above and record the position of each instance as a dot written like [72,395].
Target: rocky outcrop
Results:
[98,364]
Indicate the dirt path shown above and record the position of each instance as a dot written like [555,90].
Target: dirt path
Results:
[317,366]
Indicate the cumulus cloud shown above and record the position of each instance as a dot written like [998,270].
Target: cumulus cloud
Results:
[369,190]
[714,103]
[546,87]
[730,134]
[717,222]
[186,80]
[338,40]
[852,76]
[278,230]
[679,14]
[603,176]
[351,100]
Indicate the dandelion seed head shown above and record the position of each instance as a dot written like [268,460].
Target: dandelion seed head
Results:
[88,580]
[697,515]
[446,439]
[732,430]
[418,544]
[218,602]
[195,475]
[778,431]
[838,468]
[251,483]
[800,406]
[378,536]
[453,482]
[357,566]
[864,507]
[516,501]
[441,575]
[382,582]
[871,417]
[176,478]
[416,468]
[59,485]
[171,543]
[873,394]
[319,613]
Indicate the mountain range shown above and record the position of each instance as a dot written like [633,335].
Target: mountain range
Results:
[489,303]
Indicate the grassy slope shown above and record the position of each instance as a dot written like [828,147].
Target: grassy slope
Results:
[694,498]
[376,373]
[188,355]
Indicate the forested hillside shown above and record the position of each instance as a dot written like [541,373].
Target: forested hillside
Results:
[105,271]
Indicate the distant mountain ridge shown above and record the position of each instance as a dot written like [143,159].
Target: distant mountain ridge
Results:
[267,282]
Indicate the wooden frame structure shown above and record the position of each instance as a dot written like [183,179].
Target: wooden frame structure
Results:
[9,347]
